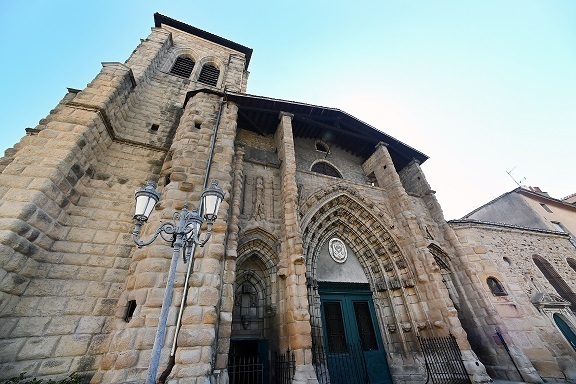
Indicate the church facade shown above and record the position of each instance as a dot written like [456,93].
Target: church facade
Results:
[330,260]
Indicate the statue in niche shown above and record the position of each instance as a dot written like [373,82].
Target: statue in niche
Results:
[259,211]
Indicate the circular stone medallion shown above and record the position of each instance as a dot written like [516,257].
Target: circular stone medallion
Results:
[338,250]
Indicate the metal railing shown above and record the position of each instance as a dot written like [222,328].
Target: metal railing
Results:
[245,370]
[443,360]
[284,367]
[347,367]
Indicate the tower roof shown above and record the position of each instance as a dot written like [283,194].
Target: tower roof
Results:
[160,19]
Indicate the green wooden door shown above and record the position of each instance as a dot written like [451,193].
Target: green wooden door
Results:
[354,348]
[566,330]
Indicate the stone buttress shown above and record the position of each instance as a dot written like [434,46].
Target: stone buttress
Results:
[68,266]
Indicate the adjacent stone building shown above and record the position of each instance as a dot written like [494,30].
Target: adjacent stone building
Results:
[330,260]
[532,208]
[522,324]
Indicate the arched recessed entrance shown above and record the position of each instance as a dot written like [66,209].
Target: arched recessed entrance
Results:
[353,267]
[254,329]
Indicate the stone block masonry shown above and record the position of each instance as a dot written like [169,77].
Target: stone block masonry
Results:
[66,203]
[69,267]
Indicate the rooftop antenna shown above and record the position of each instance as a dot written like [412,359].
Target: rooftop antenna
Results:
[512,177]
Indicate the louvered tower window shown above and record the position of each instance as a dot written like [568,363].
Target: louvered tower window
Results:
[183,67]
[209,75]
[326,169]
[555,280]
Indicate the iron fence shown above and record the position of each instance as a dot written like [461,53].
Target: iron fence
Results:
[443,360]
[347,367]
[245,370]
[284,367]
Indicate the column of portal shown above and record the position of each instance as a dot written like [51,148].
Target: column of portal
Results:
[296,333]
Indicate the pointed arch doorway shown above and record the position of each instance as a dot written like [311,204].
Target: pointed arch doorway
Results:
[349,335]
[253,315]
[374,275]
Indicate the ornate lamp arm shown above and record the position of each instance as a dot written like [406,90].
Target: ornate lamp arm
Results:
[184,235]
[164,227]
[207,236]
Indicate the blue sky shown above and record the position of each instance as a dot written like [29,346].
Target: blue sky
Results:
[481,87]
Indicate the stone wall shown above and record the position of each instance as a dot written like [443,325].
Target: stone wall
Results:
[536,345]
[67,201]
[65,231]
[69,266]
[349,165]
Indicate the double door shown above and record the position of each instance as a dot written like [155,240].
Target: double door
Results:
[354,349]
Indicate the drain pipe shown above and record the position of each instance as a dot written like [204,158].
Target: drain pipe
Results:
[509,354]
[172,359]
[233,201]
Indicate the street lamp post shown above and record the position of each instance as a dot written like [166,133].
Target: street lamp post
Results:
[184,235]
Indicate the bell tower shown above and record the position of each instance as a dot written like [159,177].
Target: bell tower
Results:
[75,295]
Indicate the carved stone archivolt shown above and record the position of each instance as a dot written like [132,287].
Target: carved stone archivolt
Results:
[341,213]
[323,195]
[261,244]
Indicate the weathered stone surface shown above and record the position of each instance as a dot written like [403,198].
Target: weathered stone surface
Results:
[69,266]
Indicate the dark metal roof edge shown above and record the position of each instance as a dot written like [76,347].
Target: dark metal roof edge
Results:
[544,197]
[190,94]
[160,19]
[521,191]
[423,157]
[248,95]
[510,226]
[486,204]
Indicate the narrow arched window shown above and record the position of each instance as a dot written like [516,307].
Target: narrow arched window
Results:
[326,169]
[441,259]
[572,263]
[555,280]
[183,66]
[495,287]
[209,75]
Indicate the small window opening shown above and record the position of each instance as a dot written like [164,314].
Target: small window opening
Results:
[373,180]
[559,227]
[154,127]
[130,308]
[209,75]
[167,180]
[507,260]
[326,169]
[322,147]
[197,125]
[183,67]
[546,207]
[496,287]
